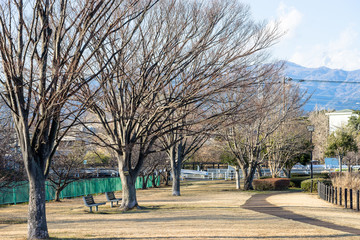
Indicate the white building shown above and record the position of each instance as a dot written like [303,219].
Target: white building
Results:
[339,119]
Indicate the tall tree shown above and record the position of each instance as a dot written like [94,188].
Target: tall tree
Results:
[65,168]
[287,145]
[46,47]
[177,57]
[339,143]
[264,112]
[181,144]
[320,121]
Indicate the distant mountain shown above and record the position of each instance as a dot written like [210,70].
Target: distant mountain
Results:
[330,88]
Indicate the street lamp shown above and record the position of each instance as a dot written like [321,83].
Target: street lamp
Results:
[311,129]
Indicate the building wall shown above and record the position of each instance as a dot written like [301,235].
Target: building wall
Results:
[339,119]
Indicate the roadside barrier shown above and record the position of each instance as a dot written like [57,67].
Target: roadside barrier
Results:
[348,198]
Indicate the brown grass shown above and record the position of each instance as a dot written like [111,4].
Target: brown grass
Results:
[347,180]
[206,210]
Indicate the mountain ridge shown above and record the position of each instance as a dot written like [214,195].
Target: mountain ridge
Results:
[338,95]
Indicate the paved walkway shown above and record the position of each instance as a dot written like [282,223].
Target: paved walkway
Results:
[259,204]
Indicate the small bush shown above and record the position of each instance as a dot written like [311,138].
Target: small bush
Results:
[271,184]
[306,184]
[297,180]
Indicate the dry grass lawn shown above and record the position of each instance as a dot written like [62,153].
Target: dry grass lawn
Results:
[206,210]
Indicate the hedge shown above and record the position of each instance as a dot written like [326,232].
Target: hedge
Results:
[271,184]
[306,184]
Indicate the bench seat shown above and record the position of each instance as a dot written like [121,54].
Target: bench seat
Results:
[110,196]
[89,202]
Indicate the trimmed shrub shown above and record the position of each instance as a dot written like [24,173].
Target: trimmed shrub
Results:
[271,184]
[297,180]
[306,184]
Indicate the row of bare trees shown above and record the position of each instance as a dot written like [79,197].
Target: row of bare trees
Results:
[149,75]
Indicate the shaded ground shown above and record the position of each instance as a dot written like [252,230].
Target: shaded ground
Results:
[259,204]
[206,210]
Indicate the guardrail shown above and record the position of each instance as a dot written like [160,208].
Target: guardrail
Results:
[347,197]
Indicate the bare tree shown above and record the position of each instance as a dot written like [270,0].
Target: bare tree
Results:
[177,57]
[151,168]
[65,168]
[320,121]
[181,144]
[46,48]
[285,146]
[268,109]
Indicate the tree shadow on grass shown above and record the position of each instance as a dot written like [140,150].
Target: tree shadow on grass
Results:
[259,204]
[334,236]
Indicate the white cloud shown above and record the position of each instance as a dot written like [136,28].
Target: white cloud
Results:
[288,18]
[340,53]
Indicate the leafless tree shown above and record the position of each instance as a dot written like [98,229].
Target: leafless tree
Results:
[177,57]
[46,48]
[320,121]
[267,110]
[181,144]
[286,145]
[151,168]
[65,168]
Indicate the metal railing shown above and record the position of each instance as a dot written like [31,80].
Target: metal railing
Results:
[347,197]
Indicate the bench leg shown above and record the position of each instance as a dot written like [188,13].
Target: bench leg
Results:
[90,209]
[111,204]
[96,208]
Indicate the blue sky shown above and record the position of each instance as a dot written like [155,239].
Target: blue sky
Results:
[319,32]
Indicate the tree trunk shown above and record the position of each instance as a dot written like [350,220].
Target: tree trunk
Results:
[144,182]
[237,178]
[176,172]
[340,164]
[37,226]
[176,158]
[259,171]
[287,172]
[128,179]
[249,177]
[153,180]
[167,176]
[129,200]
[57,195]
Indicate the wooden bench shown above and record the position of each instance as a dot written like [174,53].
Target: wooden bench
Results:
[89,202]
[110,196]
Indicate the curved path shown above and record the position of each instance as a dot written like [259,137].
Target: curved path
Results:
[259,204]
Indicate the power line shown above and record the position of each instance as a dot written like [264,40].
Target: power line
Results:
[319,80]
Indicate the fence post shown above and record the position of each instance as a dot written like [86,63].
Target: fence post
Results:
[326,192]
[333,195]
[311,187]
[351,198]
[345,197]
[357,200]
[14,195]
[336,197]
[340,196]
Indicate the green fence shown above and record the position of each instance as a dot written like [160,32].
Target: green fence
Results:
[20,192]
